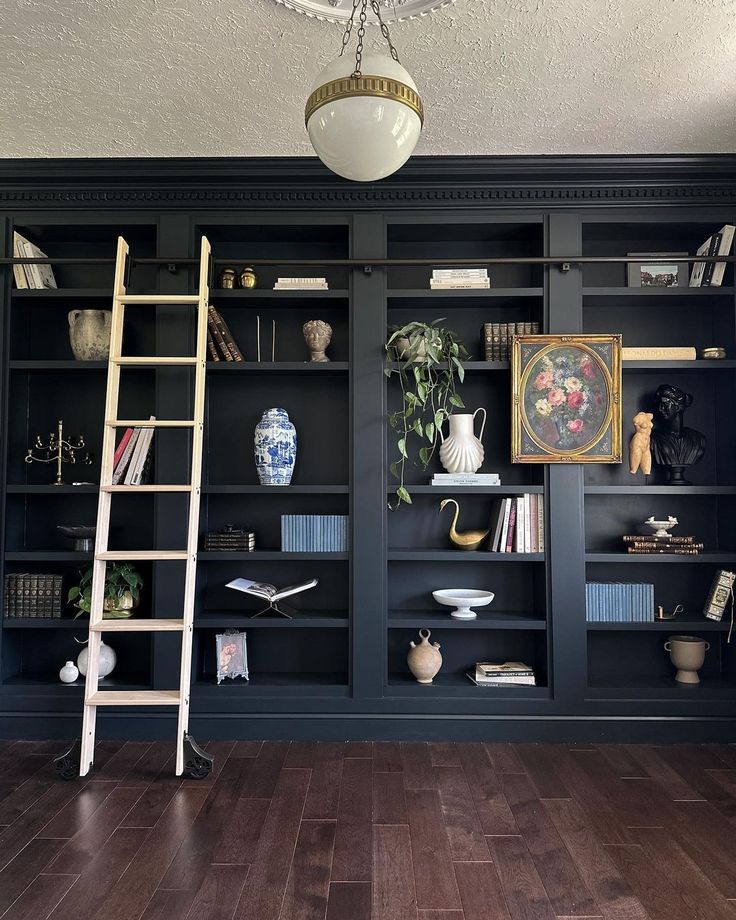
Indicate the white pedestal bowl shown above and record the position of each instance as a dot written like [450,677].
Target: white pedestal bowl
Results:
[463,599]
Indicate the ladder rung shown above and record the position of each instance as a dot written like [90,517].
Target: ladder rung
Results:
[134,698]
[148,423]
[148,488]
[141,625]
[154,299]
[154,360]
[142,555]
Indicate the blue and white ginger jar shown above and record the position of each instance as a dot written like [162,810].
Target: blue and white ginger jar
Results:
[275,448]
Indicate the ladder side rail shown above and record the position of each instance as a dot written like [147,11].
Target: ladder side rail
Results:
[194,501]
[99,566]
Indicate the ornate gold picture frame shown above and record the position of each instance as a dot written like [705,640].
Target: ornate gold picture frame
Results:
[566,399]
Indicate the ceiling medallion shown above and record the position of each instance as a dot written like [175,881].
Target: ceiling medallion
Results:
[340,10]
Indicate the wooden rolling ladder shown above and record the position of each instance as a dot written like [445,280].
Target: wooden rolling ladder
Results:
[191,760]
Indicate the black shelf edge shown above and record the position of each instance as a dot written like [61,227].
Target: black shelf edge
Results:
[708,689]
[260,555]
[676,625]
[473,490]
[287,684]
[458,685]
[660,490]
[36,686]
[246,620]
[658,292]
[47,556]
[60,365]
[278,367]
[438,619]
[699,364]
[288,490]
[459,293]
[44,623]
[459,555]
[50,489]
[65,293]
[284,296]
[708,558]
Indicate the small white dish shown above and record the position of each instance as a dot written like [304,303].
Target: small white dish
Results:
[662,528]
[463,599]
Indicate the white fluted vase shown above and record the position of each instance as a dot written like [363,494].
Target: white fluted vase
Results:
[461,451]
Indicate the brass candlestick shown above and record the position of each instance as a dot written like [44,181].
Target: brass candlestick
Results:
[58,451]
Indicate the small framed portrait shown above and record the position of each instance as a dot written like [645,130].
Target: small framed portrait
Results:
[566,399]
[654,269]
[232,655]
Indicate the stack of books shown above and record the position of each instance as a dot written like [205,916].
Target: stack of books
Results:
[466,479]
[314,533]
[619,603]
[517,525]
[669,545]
[36,277]
[496,338]
[459,279]
[300,284]
[131,463]
[220,337]
[710,274]
[33,595]
[230,540]
[507,674]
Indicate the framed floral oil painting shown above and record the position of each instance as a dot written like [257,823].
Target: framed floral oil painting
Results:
[566,399]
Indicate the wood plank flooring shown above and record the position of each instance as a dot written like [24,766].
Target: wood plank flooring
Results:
[372,831]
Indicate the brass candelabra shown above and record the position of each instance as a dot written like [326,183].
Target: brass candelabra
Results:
[59,451]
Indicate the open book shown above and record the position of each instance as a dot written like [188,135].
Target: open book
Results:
[270,593]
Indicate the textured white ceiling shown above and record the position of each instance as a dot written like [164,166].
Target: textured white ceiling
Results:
[225,78]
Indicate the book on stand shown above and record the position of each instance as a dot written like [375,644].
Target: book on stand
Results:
[270,593]
[710,274]
[38,277]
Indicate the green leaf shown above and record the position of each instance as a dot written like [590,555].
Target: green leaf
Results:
[74,593]
[424,456]
[417,427]
[460,372]
[439,418]
[456,401]
[402,448]
[403,495]
[394,470]
[429,431]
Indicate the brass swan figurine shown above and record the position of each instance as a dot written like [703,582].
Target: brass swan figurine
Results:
[467,539]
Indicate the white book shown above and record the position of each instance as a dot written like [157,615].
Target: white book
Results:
[519,535]
[527,523]
[498,526]
[698,269]
[533,523]
[465,477]
[133,465]
[505,528]
[727,234]
[459,274]
[295,280]
[269,592]
[43,276]
[466,482]
[459,285]
[145,440]
[19,271]
[540,523]
[124,460]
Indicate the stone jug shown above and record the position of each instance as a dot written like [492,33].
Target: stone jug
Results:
[424,660]
[687,654]
[461,451]
[89,334]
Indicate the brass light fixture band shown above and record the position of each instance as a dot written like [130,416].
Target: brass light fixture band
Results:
[364,85]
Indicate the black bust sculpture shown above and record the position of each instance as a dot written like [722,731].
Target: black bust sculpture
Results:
[673,445]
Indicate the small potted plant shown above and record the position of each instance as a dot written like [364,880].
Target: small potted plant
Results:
[122,591]
[429,362]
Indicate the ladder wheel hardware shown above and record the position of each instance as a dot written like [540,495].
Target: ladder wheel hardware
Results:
[67,764]
[197,762]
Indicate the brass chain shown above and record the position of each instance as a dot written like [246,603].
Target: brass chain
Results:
[361,32]
[361,36]
[349,28]
[384,30]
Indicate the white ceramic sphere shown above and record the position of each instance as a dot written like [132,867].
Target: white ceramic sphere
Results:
[69,673]
[108,659]
[364,138]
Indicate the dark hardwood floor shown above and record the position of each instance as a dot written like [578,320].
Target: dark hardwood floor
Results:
[388,831]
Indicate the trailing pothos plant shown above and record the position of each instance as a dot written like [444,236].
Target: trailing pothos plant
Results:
[428,361]
[120,578]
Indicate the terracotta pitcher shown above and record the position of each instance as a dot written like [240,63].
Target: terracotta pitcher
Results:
[89,334]
[424,660]
[461,451]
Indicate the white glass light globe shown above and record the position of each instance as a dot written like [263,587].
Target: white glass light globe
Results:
[368,130]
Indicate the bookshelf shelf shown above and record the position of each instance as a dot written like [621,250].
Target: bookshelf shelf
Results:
[47,556]
[277,367]
[458,685]
[45,623]
[664,688]
[679,624]
[274,684]
[245,620]
[659,490]
[699,364]
[454,555]
[724,559]
[260,555]
[275,490]
[458,296]
[60,366]
[50,489]
[417,619]
[476,490]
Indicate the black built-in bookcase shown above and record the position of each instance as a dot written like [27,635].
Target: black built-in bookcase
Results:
[338,670]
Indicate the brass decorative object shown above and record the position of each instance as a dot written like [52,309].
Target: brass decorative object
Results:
[466,539]
[59,451]
[662,614]
[248,278]
[364,85]
[227,279]
[713,353]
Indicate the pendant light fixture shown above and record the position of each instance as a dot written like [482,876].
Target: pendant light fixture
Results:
[364,121]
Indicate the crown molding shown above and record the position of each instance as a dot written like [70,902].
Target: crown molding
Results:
[556,181]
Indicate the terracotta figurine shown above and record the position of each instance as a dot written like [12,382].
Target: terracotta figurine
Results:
[317,335]
[640,454]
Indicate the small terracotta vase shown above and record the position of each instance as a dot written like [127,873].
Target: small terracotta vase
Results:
[424,660]
[687,654]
